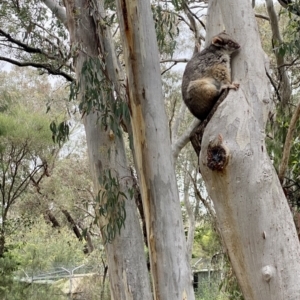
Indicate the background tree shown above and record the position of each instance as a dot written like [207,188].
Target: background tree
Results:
[119,252]
[284,125]
[26,148]
[40,222]
[103,92]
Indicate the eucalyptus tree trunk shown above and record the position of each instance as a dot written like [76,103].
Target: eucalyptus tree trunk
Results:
[252,210]
[127,267]
[127,264]
[171,274]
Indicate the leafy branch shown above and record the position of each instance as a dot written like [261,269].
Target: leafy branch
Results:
[33,50]
[46,67]
[111,202]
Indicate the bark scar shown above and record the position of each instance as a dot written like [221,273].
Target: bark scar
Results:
[217,154]
[125,14]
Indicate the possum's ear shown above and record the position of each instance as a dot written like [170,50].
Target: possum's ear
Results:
[217,41]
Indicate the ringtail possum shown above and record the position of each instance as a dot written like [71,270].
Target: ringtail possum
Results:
[207,74]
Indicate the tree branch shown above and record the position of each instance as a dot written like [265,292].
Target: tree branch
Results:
[179,60]
[24,46]
[88,238]
[190,13]
[57,10]
[183,139]
[191,16]
[292,63]
[15,162]
[262,17]
[169,68]
[274,85]
[177,122]
[285,88]
[205,202]
[72,223]
[174,61]
[52,219]
[33,50]
[46,67]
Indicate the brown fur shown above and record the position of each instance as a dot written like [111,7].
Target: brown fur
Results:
[207,74]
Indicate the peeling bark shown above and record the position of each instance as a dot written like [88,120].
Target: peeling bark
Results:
[171,274]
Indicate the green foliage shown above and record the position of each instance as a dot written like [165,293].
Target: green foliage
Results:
[290,47]
[279,122]
[229,284]
[277,129]
[110,5]
[208,239]
[21,126]
[165,27]
[21,291]
[25,145]
[97,94]
[232,288]
[111,205]
[11,288]
[38,250]
[210,290]
[291,44]
[8,264]
[60,132]
[20,121]
[42,248]
[177,4]
[19,18]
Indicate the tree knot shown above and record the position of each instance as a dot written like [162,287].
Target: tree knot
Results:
[217,154]
[268,272]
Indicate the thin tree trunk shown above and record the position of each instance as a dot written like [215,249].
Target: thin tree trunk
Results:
[189,208]
[252,210]
[285,89]
[171,274]
[72,223]
[2,242]
[288,143]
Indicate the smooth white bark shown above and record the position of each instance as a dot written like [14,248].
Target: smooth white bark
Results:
[171,274]
[252,210]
